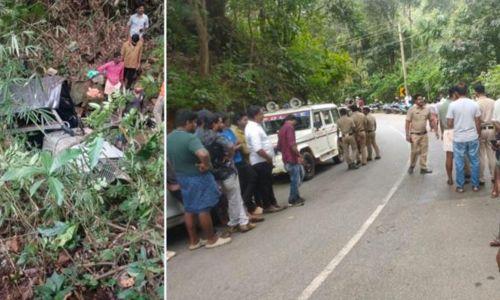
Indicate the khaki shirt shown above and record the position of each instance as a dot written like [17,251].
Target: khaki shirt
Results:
[240,136]
[359,120]
[418,118]
[132,54]
[371,123]
[346,125]
[487,106]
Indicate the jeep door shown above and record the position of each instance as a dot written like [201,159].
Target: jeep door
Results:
[320,146]
[330,128]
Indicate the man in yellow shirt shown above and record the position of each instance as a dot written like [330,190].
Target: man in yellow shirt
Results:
[131,54]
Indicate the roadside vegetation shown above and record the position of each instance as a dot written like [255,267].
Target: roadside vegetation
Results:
[65,232]
[227,54]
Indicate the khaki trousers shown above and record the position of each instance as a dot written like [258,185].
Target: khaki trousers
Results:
[372,143]
[348,144]
[486,153]
[361,140]
[419,147]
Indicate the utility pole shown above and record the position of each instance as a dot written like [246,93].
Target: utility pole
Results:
[403,63]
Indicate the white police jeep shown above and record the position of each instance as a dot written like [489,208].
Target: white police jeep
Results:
[316,133]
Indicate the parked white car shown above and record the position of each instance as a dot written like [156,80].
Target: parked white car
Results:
[316,133]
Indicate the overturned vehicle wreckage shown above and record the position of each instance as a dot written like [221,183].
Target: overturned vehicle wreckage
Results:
[43,110]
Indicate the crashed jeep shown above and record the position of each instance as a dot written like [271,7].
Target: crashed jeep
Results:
[60,128]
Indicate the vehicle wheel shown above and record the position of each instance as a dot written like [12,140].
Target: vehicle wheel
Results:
[340,157]
[309,165]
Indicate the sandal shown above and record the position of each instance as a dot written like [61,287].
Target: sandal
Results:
[495,243]
[494,194]
[201,243]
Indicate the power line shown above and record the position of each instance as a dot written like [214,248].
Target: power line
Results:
[360,38]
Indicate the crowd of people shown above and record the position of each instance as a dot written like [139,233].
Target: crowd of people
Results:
[216,161]
[212,156]
[223,164]
[468,130]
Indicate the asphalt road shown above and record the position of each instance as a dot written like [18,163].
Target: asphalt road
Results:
[373,233]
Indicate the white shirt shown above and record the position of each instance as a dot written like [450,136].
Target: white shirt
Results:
[463,112]
[496,111]
[257,139]
[137,23]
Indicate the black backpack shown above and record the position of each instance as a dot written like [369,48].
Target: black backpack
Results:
[221,170]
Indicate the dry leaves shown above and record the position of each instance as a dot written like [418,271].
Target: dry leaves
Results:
[14,244]
[126,281]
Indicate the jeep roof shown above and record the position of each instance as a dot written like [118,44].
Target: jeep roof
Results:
[299,109]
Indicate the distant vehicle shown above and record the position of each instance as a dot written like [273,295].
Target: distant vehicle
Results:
[60,128]
[318,138]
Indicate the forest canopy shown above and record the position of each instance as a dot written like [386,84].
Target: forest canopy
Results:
[229,53]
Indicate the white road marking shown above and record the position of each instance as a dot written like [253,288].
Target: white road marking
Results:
[316,283]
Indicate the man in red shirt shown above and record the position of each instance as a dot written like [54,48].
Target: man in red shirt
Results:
[287,145]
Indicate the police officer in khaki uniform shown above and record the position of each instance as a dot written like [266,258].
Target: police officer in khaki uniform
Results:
[371,127]
[346,127]
[416,133]
[360,121]
[486,153]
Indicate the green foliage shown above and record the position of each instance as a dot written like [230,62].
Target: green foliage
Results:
[491,81]
[53,288]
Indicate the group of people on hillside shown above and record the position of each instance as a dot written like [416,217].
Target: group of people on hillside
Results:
[123,69]
[468,129]
[213,157]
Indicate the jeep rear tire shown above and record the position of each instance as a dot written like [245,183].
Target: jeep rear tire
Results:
[309,165]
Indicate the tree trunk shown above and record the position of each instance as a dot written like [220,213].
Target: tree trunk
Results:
[200,18]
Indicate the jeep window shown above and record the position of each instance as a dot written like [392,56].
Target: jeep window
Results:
[273,124]
[327,117]
[317,120]
[335,114]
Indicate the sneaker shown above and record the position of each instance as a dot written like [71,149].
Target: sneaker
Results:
[273,209]
[256,218]
[410,170]
[459,190]
[232,229]
[201,243]
[425,171]
[475,189]
[246,227]
[298,202]
[258,211]
[220,242]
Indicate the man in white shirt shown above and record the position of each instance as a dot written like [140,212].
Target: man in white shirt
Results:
[486,153]
[464,116]
[261,159]
[138,22]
